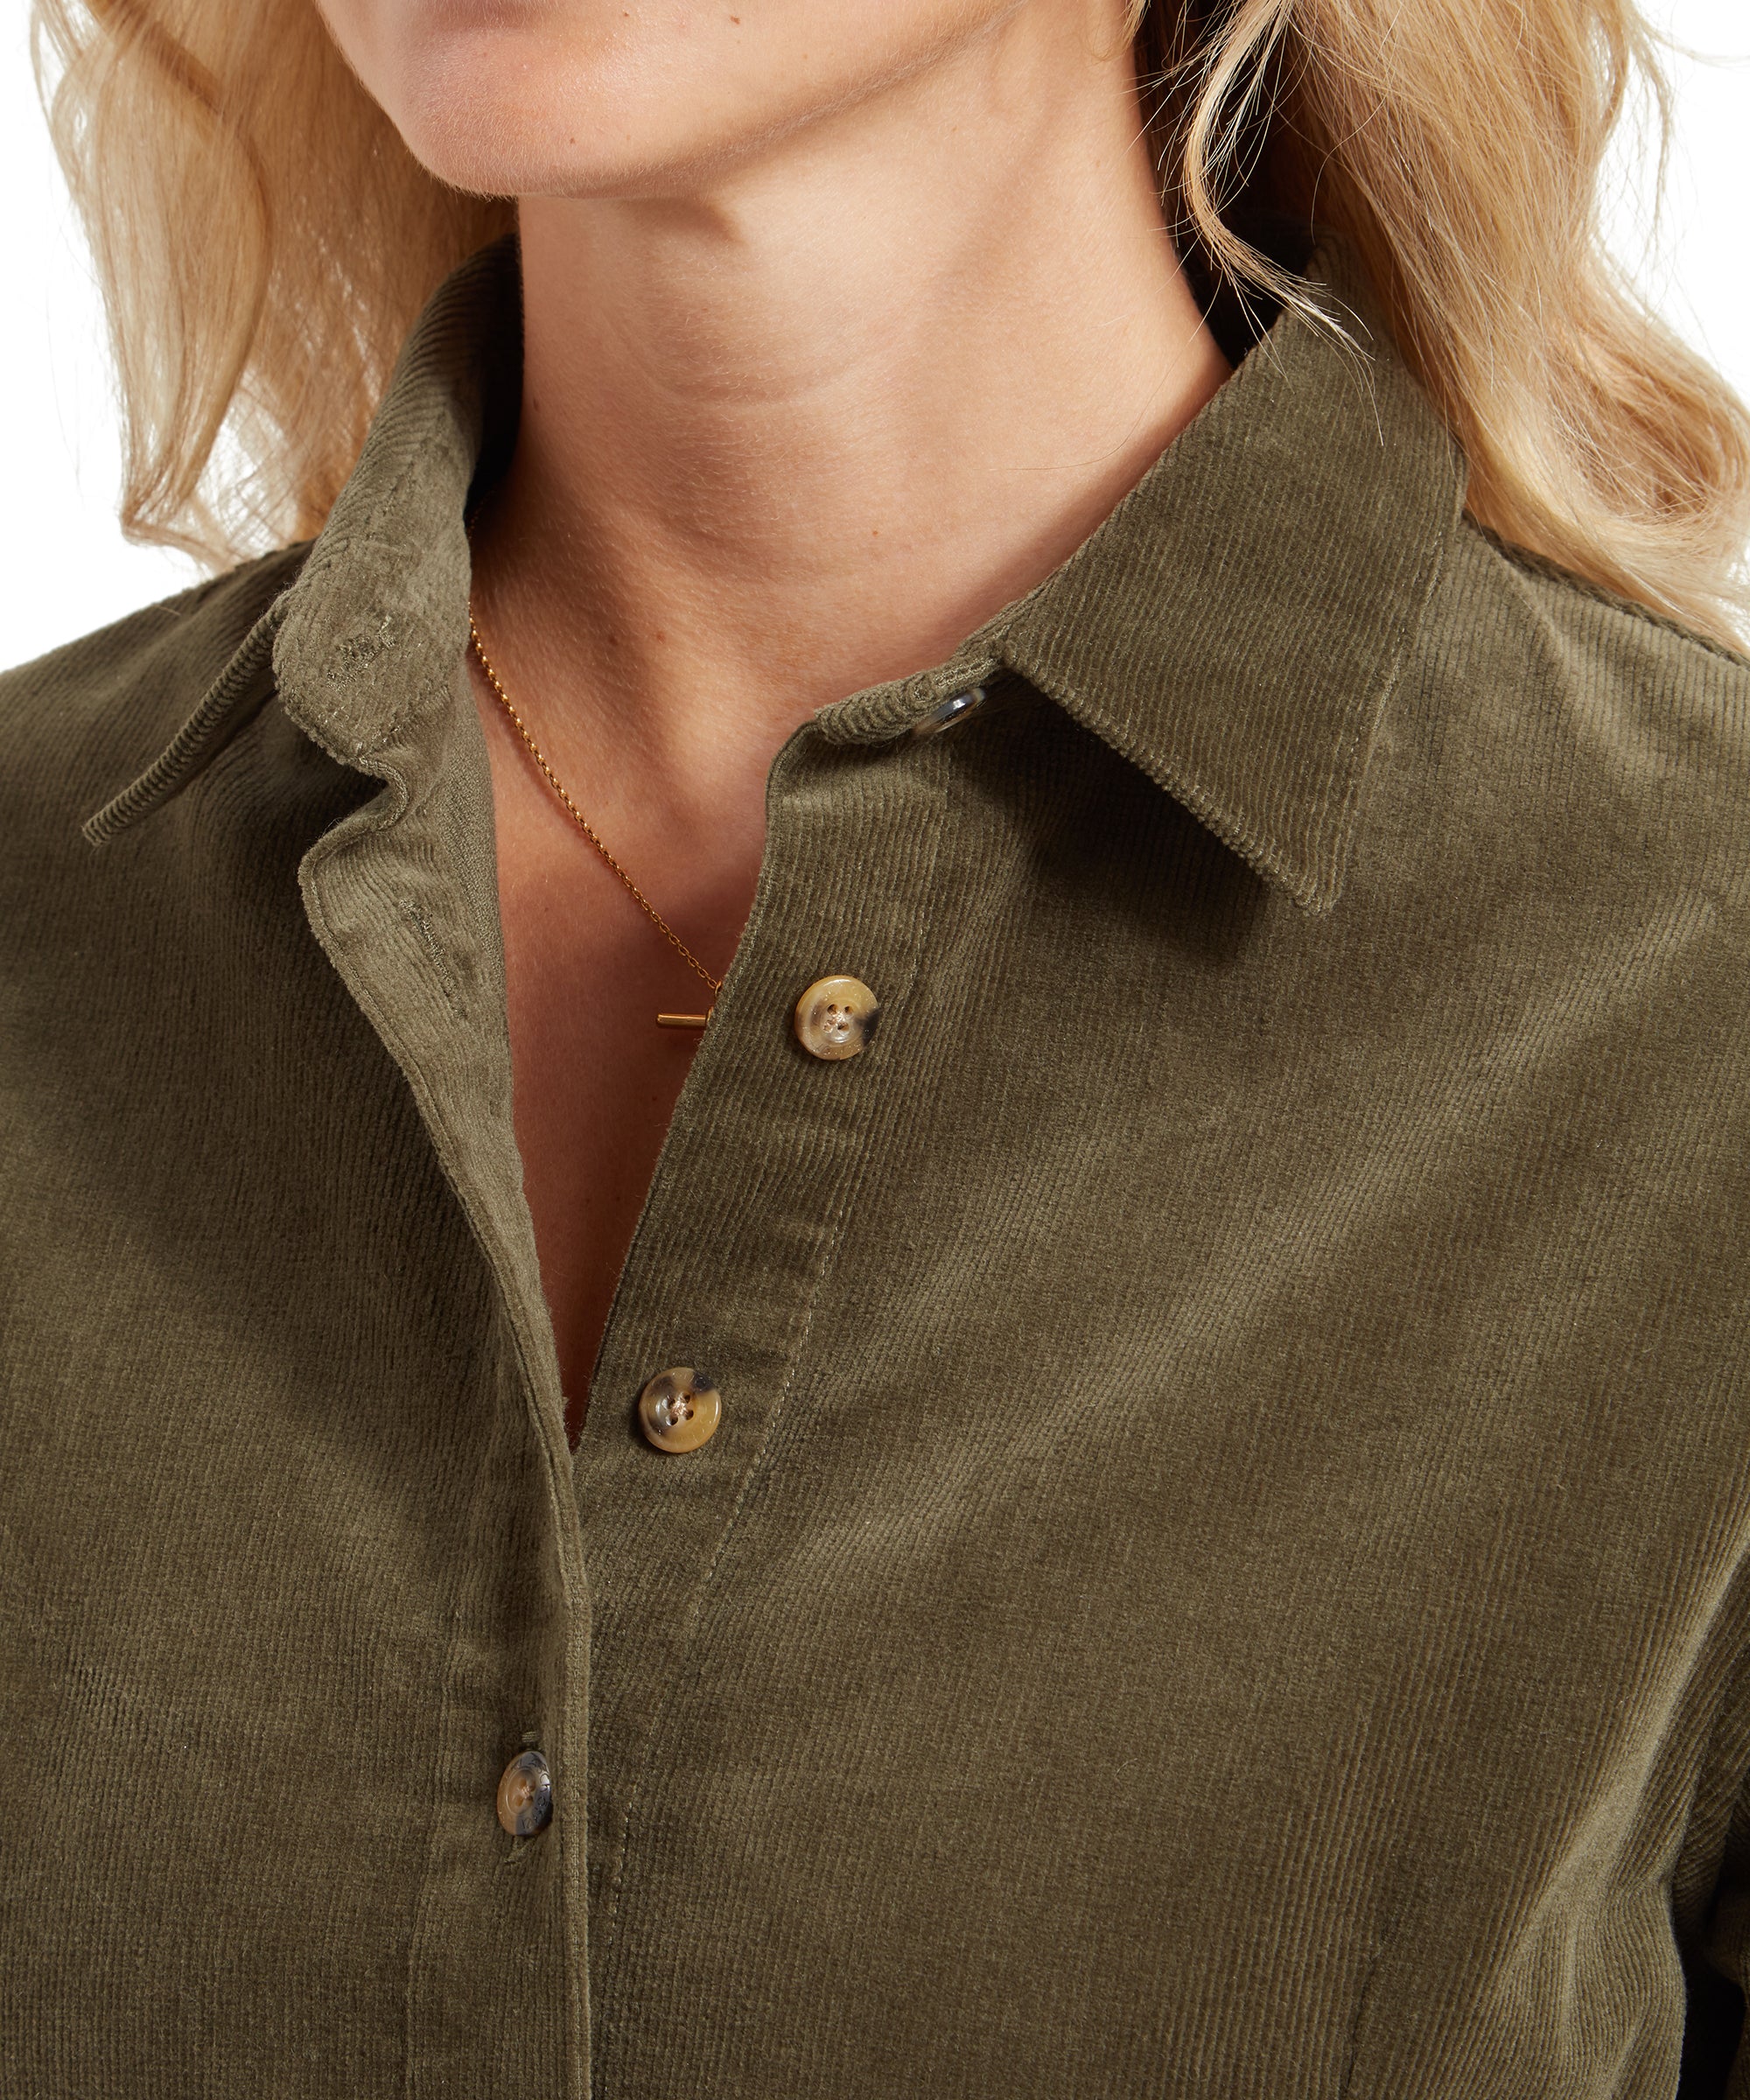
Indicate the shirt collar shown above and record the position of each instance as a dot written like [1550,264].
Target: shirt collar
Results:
[1237,624]
[1235,628]
[375,627]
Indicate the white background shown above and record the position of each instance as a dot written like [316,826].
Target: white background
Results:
[65,568]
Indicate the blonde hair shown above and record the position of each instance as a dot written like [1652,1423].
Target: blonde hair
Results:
[264,240]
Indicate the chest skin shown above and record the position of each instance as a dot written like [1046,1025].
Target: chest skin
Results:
[595,1079]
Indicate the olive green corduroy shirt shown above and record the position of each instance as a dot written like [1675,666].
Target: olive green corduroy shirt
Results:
[1224,1568]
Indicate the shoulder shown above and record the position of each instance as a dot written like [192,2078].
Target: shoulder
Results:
[78,724]
[1576,728]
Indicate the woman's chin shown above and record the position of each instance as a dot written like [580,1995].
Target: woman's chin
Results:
[587,132]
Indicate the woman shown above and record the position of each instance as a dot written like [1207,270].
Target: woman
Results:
[1171,1519]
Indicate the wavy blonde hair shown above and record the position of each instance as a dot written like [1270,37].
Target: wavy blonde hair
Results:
[264,240]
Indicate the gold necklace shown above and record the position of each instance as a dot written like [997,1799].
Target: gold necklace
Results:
[663,1020]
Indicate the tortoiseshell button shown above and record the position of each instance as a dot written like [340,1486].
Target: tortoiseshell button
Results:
[679,1408]
[835,1017]
[525,1794]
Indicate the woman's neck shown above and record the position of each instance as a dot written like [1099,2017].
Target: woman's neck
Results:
[809,425]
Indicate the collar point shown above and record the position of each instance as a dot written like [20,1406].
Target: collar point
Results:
[1311,883]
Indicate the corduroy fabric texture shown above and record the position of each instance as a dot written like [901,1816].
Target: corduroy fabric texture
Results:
[1224,1571]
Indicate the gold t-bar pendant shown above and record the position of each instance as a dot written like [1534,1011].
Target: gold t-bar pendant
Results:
[663,1020]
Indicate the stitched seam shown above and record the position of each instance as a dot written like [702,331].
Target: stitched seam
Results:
[424,1904]
[440,963]
[1726,1714]
[1387,1933]
[1549,571]
[853,1181]
[560,1501]
[1427,588]
[398,720]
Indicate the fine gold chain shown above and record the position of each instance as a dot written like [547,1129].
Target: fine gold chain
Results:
[592,834]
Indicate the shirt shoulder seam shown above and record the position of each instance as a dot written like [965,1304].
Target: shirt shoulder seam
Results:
[1548,571]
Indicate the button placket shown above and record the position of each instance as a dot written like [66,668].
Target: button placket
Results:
[404,968]
[763,1155]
